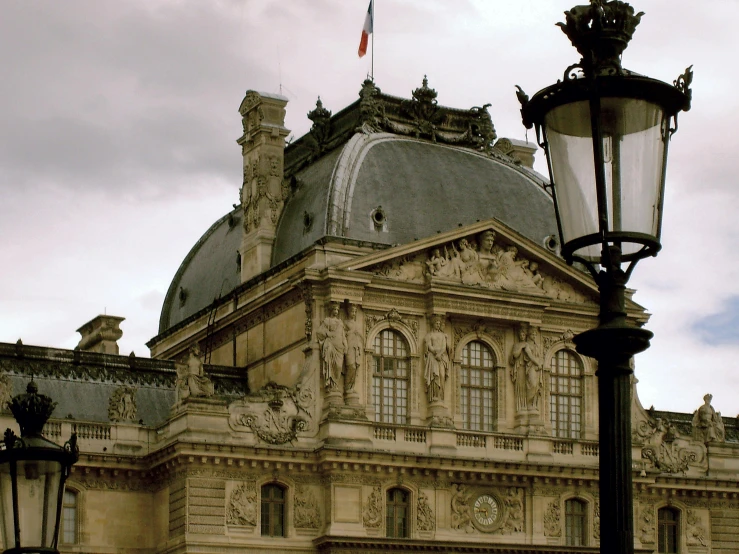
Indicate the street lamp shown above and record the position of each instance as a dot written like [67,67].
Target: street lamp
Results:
[32,475]
[605,131]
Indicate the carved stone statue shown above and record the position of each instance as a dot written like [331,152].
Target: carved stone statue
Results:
[332,339]
[354,348]
[437,360]
[461,510]
[707,423]
[122,404]
[191,379]
[526,368]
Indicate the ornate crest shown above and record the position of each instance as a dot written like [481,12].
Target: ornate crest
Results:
[122,404]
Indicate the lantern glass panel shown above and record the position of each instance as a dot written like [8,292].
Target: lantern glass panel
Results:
[634,137]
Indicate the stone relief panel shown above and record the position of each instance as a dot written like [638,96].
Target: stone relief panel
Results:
[479,328]
[6,393]
[553,519]
[596,520]
[122,404]
[275,413]
[462,508]
[425,519]
[510,518]
[646,530]
[665,450]
[307,514]
[242,505]
[695,529]
[263,193]
[479,261]
[191,379]
[372,513]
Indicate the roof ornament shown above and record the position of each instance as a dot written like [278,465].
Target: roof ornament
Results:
[371,109]
[424,111]
[321,128]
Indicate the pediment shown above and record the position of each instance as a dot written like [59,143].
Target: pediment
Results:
[488,255]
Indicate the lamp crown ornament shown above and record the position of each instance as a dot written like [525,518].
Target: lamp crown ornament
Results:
[601,31]
[31,410]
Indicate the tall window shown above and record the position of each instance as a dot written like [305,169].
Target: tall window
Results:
[390,378]
[575,513]
[566,395]
[69,518]
[273,510]
[397,513]
[478,387]
[668,520]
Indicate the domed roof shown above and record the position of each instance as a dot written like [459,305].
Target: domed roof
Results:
[383,170]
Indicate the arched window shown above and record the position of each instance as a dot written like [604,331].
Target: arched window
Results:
[477,387]
[668,520]
[390,378]
[273,510]
[396,522]
[70,517]
[575,522]
[565,402]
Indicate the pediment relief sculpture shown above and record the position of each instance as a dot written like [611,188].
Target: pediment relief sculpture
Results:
[477,260]
[275,413]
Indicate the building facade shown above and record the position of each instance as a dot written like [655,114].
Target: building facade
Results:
[373,351]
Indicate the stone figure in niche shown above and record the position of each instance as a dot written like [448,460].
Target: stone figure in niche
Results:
[332,340]
[354,348]
[191,379]
[707,423]
[526,368]
[437,360]
[461,510]
[122,404]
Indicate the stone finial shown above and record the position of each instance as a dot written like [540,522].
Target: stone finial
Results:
[101,334]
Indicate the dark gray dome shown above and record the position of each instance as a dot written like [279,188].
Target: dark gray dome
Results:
[387,189]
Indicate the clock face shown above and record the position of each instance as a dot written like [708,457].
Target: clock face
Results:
[486,511]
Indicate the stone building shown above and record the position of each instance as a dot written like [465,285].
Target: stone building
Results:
[371,352]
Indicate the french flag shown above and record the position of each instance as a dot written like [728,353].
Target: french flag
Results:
[366,30]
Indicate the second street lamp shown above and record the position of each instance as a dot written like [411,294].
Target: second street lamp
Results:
[605,132]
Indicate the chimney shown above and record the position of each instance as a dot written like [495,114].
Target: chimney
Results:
[262,198]
[101,334]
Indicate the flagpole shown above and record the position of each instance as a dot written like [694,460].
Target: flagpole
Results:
[372,54]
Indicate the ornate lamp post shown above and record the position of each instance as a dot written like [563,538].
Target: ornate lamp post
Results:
[605,132]
[32,475]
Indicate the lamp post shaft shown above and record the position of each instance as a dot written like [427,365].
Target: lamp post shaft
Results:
[613,343]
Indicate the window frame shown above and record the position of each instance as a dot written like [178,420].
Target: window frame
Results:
[663,525]
[398,410]
[467,388]
[572,517]
[63,520]
[392,519]
[566,409]
[270,504]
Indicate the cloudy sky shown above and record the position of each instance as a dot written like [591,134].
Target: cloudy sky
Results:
[119,119]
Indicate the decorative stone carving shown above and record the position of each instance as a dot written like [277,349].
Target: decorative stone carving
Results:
[354,348]
[242,505]
[646,526]
[332,341]
[308,301]
[696,531]
[6,393]
[482,130]
[424,111]
[425,520]
[122,404]
[262,195]
[553,519]
[479,328]
[321,128]
[307,514]
[596,520]
[371,108]
[707,423]
[372,515]
[526,370]
[478,261]
[275,413]
[514,511]
[436,354]
[191,379]
[667,451]
[392,316]
[461,509]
